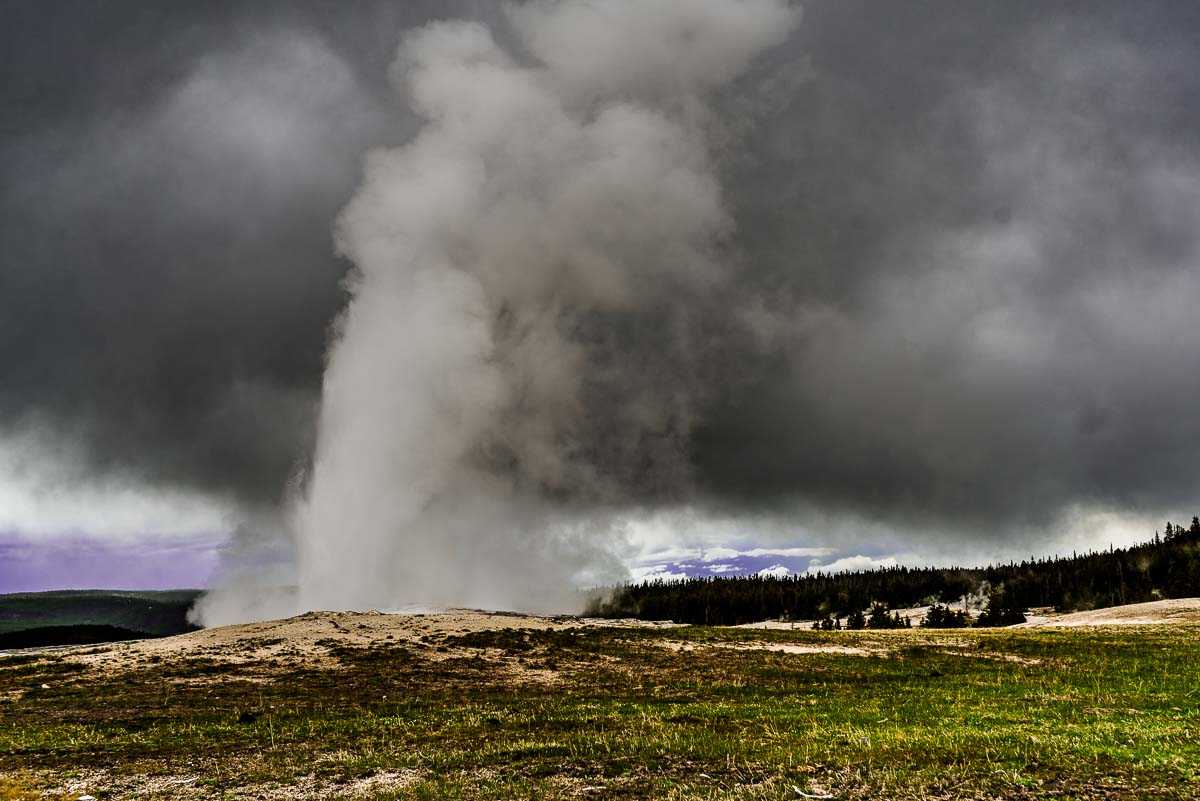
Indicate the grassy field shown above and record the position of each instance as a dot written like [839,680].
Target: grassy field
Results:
[690,713]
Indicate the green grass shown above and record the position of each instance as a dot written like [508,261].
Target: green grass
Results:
[1068,714]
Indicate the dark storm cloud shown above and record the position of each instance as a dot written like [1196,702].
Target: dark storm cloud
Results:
[981,222]
[169,181]
[971,229]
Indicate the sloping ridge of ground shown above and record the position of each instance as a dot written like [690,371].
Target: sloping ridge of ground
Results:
[313,637]
[1170,611]
[49,636]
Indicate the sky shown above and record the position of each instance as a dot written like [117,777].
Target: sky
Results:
[757,286]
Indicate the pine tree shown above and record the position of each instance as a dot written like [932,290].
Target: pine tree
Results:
[943,617]
[1001,610]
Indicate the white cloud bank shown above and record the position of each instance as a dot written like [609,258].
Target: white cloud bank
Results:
[46,494]
[715,554]
[850,564]
[656,573]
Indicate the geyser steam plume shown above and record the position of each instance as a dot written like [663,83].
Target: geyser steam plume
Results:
[525,347]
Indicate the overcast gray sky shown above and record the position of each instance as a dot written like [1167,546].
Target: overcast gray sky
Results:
[966,243]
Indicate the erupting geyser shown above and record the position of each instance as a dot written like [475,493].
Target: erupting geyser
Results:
[526,337]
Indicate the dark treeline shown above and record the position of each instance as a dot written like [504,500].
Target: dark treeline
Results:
[1166,567]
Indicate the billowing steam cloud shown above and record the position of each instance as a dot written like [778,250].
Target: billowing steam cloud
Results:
[527,333]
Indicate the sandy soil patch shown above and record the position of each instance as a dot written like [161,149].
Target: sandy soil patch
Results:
[1014,658]
[1173,611]
[314,637]
[914,614]
[776,625]
[1170,612]
[777,647]
[99,783]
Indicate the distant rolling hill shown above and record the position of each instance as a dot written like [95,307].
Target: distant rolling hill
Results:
[48,618]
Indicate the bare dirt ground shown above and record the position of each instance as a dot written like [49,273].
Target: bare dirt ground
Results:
[773,647]
[914,614]
[311,638]
[1173,611]
[184,787]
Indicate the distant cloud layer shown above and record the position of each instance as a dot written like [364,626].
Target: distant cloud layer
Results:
[851,564]
[87,563]
[714,554]
[46,495]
